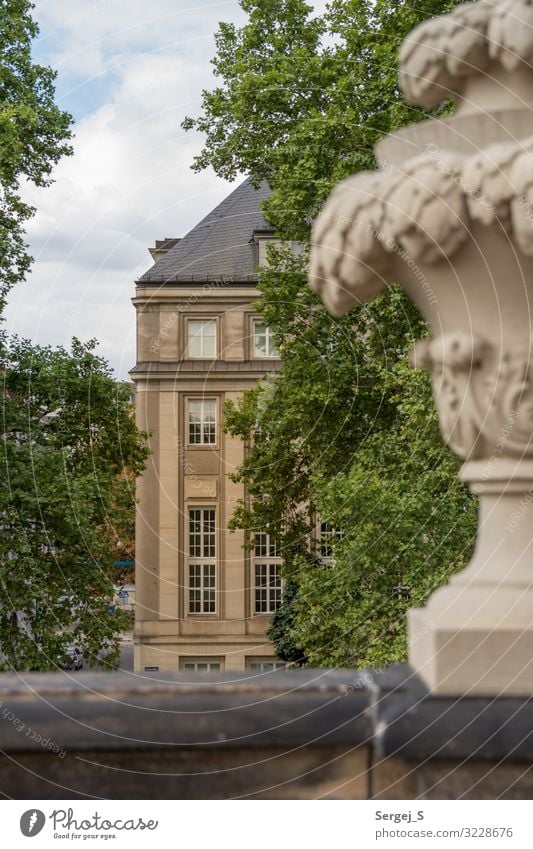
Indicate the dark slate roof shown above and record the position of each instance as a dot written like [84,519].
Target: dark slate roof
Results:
[219,247]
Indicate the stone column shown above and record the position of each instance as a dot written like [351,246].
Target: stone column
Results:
[449,216]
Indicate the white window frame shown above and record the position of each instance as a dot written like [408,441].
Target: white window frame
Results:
[202,562]
[265,546]
[267,596]
[204,421]
[264,665]
[327,537]
[202,337]
[271,350]
[197,664]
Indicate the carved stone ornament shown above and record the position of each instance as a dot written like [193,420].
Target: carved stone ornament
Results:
[441,52]
[425,211]
[450,218]
[485,397]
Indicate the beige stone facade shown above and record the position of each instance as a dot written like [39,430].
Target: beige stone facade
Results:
[200,343]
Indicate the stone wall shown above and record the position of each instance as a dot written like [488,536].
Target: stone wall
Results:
[302,734]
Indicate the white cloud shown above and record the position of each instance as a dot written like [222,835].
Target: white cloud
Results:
[133,70]
[129,181]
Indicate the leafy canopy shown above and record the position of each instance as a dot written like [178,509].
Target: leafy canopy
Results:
[347,432]
[34,135]
[71,452]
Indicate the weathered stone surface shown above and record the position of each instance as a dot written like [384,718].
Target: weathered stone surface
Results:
[300,735]
[413,724]
[395,778]
[112,735]
[326,772]
[118,711]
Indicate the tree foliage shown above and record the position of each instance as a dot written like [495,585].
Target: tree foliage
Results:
[303,99]
[34,134]
[71,452]
[347,431]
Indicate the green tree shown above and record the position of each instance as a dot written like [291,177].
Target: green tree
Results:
[303,99]
[408,526]
[34,134]
[71,452]
[347,431]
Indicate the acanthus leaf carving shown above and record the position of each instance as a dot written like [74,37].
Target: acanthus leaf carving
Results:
[424,212]
[437,55]
[484,395]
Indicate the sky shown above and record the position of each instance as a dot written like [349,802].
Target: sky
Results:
[129,71]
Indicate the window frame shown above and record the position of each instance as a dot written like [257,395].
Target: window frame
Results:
[326,532]
[201,563]
[262,661]
[269,342]
[271,590]
[192,399]
[196,661]
[269,544]
[200,319]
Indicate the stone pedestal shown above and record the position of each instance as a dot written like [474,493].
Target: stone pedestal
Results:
[479,629]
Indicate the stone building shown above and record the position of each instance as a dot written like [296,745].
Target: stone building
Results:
[203,599]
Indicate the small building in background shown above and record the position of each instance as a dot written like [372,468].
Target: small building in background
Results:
[203,599]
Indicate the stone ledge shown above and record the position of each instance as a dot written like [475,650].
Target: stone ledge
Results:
[297,734]
[411,723]
[121,711]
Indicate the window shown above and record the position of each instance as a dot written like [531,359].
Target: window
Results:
[266,546]
[267,587]
[202,422]
[328,537]
[201,665]
[202,338]
[264,345]
[202,560]
[265,665]
[267,573]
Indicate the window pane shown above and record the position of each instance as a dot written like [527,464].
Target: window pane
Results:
[260,339]
[265,545]
[272,347]
[267,587]
[209,421]
[195,339]
[209,533]
[328,537]
[202,422]
[264,344]
[201,666]
[194,533]
[261,545]
[265,665]
[195,431]
[202,588]
[202,339]
[210,344]
[202,576]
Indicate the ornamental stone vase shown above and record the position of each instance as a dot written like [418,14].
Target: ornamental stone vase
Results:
[449,216]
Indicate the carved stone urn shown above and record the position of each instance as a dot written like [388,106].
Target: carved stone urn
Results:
[449,216]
